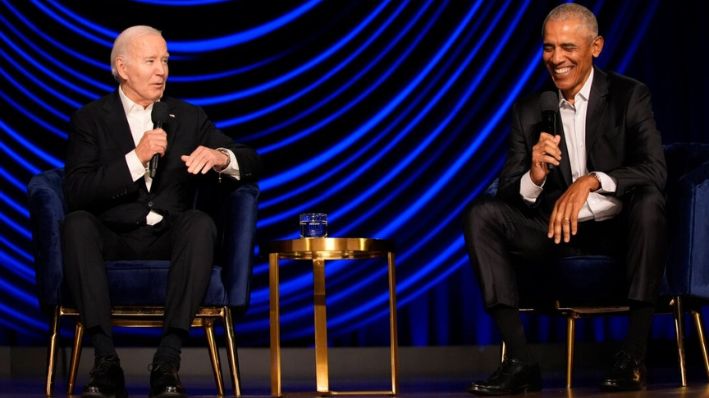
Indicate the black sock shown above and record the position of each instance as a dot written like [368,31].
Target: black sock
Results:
[639,328]
[170,346]
[512,331]
[102,342]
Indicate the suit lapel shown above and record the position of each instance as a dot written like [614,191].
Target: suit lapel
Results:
[596,108]
[170,129]
[117,124]
[118,128]
[565,166]
[170,126]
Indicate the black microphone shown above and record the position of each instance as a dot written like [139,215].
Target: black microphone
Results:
[549,102]
[159,116]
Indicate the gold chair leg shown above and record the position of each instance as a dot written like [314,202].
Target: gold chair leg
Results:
[503,351]
[570,338]
[214,355]
[52,352]
[75,357]
[393,330]
[678,315]
[274,315]
[232,354]
[702,342]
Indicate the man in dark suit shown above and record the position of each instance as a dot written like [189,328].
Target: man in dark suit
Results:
[595,189]
[118,210]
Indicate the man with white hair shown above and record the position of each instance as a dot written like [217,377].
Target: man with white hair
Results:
[122,209]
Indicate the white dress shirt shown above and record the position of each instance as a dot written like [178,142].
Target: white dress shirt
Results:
[598,207]
[140,121]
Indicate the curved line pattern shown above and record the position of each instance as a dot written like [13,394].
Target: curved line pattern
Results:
[389,116]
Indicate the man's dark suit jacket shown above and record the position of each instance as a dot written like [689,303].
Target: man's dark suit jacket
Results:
[621,141]
[97,176]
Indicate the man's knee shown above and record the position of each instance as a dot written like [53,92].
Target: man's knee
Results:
[197,223]
[481,213]
[646,205]
[79,223]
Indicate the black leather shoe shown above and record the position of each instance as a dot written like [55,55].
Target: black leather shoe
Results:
[164,381]
[107,380]
[512,377]
[626,374]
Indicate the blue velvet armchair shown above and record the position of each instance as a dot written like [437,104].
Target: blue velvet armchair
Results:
[137,288]
[687,272]
[595,285]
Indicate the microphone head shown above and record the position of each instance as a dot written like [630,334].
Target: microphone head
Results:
[548,101]
[160,114]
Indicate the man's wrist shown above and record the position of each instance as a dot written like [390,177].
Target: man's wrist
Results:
[225,152]
[598,181]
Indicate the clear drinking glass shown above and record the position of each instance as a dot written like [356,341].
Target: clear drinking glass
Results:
[313,225]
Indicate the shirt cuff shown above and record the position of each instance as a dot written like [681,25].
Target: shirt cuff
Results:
[153,218]
[135,166]
[602,207]
[528,189]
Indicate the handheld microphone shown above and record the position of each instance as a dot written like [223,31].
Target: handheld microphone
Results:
[159,115]
[549,102]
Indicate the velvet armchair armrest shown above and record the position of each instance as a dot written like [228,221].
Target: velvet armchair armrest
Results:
[47,209]
[237,243]
[233,205]
[688,220]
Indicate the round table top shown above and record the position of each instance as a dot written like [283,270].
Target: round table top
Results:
[331,248]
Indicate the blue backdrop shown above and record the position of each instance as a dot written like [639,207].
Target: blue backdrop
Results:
[389,116]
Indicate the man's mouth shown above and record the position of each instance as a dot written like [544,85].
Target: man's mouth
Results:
[561,71]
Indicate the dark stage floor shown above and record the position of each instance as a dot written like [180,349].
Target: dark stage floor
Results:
[431,372]
[204,387]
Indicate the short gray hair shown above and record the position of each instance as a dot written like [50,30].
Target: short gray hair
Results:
[120,46]
[573,10]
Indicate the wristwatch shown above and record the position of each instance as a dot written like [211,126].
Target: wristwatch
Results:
[228,157]
[600,184]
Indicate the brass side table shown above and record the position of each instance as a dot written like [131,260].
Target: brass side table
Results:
[318,250]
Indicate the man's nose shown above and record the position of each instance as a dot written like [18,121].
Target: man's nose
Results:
[556,57]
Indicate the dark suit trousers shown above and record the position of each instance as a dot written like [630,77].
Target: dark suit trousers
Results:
[500,237]
[187,240]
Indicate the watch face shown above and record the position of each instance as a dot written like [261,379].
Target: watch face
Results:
[594,175]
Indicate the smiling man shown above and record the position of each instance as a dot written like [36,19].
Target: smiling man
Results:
[594,188]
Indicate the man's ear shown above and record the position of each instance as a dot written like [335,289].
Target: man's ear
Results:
[597,46]
[121,68]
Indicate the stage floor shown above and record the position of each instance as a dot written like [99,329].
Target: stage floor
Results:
[431,372]
[203,387]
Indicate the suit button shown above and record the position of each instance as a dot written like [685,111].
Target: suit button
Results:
[150,204]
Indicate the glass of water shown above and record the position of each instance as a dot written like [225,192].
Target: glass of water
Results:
[313,225]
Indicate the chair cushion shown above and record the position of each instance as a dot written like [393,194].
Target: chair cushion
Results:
[145,283]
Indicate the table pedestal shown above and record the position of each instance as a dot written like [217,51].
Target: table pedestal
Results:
[318,250]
